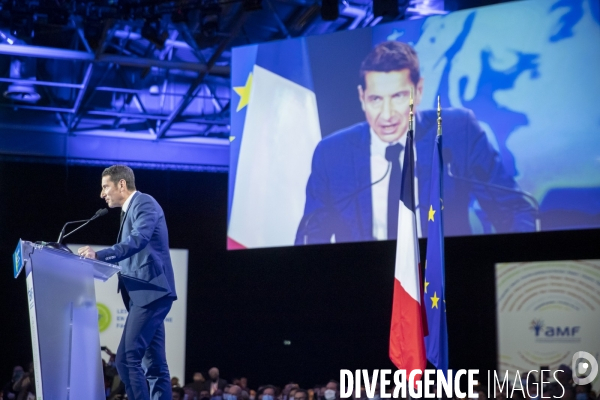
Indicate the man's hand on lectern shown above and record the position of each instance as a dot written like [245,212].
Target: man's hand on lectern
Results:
[86,252]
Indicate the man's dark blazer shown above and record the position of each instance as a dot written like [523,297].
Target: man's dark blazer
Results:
[338,192]
[143,252]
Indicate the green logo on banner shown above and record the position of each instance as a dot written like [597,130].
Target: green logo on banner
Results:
[104,317]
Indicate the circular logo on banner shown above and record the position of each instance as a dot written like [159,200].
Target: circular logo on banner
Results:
[104,317]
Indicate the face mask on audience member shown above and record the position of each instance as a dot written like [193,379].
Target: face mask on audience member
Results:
[329,394]
[581,396]
[252,398]
[229,396]
[267,397]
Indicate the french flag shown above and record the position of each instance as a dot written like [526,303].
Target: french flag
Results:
[407,345]
[275,130]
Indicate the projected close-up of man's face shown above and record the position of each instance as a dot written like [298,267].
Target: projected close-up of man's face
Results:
[385,101]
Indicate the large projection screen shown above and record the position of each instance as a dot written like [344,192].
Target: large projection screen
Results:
[546,312]
[518,84]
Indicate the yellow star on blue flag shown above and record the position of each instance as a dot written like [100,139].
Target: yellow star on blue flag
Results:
[434,300]
[244,92]
[431,213]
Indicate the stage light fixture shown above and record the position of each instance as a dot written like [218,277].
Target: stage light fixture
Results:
[154,90]
[23,69]
[386,8]
[151,31]
[330,10]
[211,15]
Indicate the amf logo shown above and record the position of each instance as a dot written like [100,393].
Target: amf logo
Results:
[554,333]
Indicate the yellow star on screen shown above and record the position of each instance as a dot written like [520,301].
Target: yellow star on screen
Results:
[426,284]
[431,212]
[231,139]
[434,300]
[244,92]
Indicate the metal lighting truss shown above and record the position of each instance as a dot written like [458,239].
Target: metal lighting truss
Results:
[151,69]
[144,91]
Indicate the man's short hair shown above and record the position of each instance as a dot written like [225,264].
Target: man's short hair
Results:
[262,389]
[391,56]
[118,172]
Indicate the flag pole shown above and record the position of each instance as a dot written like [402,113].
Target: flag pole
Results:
[436,342]
[439,118]
[410,115]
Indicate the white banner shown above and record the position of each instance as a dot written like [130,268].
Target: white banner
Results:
[547,311]
[112,313]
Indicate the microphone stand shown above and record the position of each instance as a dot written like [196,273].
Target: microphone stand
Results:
[58,245]
[99,213]
[62,231]
[348,197]
[78,228]
[534,202]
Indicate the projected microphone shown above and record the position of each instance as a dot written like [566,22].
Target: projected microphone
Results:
[480,173]
[346,198]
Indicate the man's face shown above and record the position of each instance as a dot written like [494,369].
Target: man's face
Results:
[176,396]
[385,101]
[113,193]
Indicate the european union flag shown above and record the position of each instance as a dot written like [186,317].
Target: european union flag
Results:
[436,343]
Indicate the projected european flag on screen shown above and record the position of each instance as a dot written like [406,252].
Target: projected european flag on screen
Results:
[518,83]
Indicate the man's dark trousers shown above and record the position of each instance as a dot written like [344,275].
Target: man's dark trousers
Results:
[141,357]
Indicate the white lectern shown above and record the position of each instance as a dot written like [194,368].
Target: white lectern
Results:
[64,320]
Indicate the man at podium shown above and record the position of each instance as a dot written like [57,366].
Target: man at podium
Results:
[146,283]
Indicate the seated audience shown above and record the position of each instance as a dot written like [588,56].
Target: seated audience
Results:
[178,393]
[7,391]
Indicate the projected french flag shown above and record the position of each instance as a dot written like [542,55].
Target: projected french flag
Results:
[407,345]
[275,129]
